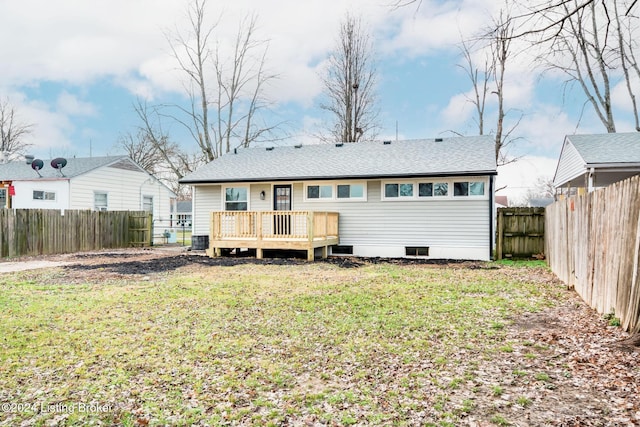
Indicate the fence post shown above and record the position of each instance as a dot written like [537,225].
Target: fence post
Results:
[500,243]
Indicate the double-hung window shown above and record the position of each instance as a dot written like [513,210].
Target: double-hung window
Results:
[100,201]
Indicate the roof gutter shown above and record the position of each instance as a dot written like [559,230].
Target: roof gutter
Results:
[345,177]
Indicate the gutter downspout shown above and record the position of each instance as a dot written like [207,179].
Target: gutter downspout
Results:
[491,217]
[592,172]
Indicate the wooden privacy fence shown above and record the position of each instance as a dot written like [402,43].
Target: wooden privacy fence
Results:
[593,244]
[46,231]
[520,232]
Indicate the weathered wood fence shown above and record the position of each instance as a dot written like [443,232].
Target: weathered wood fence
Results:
[593,244]
[46,231]
[520,232]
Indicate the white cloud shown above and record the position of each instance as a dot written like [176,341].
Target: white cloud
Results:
[69,104]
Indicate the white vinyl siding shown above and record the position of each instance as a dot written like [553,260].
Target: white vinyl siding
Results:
[206,199]
[570,165]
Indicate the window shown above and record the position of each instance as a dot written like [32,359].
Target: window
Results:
[350,191]
[472,188]
[236,199]
[334,191]
[341,250]
[441,189]
[319,191]
[476,188]
[3,198]
[460,188]
[147,203]
[398,190]
[433,189]
[44,195]
[100,201]
[416,251]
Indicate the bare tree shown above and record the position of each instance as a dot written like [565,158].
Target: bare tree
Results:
[349,85]
[580,51]
[490,78]
[542,189]
[12,132]
[152,148]
[480,79]
[160,146]
[628,63]
[141,150]
[226,90]
[560,11]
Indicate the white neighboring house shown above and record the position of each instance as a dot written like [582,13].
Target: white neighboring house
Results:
[588,162]
[428,198]
[111,183]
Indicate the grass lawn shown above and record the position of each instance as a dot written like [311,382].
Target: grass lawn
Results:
[310,344]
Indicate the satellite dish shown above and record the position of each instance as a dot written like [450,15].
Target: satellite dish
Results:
[37,164]
[58,163]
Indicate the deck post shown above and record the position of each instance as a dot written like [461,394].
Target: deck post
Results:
[258,216]
[325,252]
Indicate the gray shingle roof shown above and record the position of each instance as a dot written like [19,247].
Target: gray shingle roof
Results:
[20,170]
[608,147]
[444,156]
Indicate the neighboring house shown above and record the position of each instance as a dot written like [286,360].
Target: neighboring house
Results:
[184,214]
[588,162]
[502,201]
[429,198]
[96,183]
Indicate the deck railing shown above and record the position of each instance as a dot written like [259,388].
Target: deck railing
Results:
[274,229]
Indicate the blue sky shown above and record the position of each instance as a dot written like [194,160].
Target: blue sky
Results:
[74,69]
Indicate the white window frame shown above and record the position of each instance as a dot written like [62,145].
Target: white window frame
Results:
[334,192]
[450,189]
[319,198]
[100,208]
[470,196]
[224,197]
[433,182]
[44,195]
[399,183]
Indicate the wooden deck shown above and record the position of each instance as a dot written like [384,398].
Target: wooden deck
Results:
[299,230]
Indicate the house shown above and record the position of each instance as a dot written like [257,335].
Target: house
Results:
[428,198]
[96,183]
[183,214]
[588,162]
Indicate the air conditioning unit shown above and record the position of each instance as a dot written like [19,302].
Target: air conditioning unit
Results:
[102,208]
